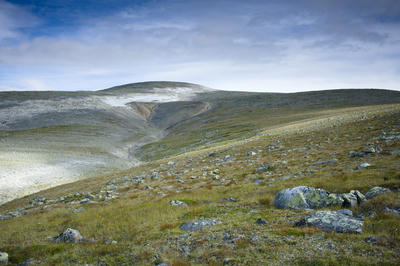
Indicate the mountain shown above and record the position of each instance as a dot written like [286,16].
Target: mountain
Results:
[180,174]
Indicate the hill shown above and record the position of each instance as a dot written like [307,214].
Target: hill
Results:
[215,158]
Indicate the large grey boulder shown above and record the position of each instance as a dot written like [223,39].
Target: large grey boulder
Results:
[304,197]
[3,258]
[70,236]
[375,191]
[198,225]
[340,221]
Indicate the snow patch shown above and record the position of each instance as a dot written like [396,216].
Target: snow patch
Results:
[158,95]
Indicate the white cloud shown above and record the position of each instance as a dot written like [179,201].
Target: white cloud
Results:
[241,47]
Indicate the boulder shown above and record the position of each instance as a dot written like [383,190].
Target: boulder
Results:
[70,236]
[333,221]
[375,191]
[198,225]
[352,199]
[3,258]
[304,197]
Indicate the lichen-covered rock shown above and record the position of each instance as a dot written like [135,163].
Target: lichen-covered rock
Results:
[304,197]
[3,258]
[375,191]
[352,199]
[198,225]
[333,221]
[70,236]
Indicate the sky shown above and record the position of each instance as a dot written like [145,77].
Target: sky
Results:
[252,45]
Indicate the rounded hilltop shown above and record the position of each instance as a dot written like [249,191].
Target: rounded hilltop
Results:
[149,86]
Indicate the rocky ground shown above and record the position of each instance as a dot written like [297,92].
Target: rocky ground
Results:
[323,192]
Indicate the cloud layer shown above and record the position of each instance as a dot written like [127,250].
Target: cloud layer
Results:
[234,45]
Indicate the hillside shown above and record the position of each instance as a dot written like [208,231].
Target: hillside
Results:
[203,155]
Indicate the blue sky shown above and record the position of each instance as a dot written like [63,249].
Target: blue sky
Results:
[254,45]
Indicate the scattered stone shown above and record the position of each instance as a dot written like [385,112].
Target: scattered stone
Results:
[356,154]
[3,258]
[251,153]
[177,203]
[198,225]
[371,240]
[231,199]
[228,261]
[394,211]
[70,236]
[375,191]
[304,197]
[36,201]
[227,158]
[257,181]
[363,165]
[392,152]
[369,150]
[77,210]
[261,221]
[332,221]
[180,181]
[28,262]
[264,167]
[326,162]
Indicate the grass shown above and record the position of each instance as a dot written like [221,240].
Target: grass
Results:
[146,227]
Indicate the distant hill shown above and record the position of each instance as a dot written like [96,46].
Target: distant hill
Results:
[50,138]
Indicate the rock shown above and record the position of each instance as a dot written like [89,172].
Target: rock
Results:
[394,211]
[371,240]
[356,154]
[325,162]
[304,197]
[392,152]
[231,199]
[261,221]
[36,201]
[375,191]
[332,221]
[264,167]
[177,203]
[70,236]
[251,153]
[27,262]
[3,258]
[198,225]
[345,212]
[363,165]
[352,199]
[77,210]
[227,158]
[369,150]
